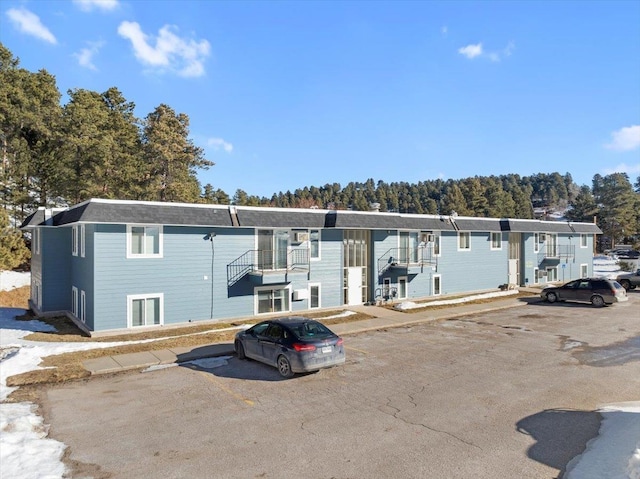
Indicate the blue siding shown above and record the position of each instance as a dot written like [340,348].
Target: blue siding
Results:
[55,268]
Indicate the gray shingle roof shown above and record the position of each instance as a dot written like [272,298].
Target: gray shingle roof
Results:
[133,212]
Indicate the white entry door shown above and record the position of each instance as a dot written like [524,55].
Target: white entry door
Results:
[513,271]
[354,285]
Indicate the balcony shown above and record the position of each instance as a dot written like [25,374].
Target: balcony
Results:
[407,260]
[265,267]
[558,252]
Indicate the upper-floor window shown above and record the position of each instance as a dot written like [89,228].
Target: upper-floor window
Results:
[144,241]
[464,241]
[536,242]
[584,240]
[74,240]
[496,241]
[77,240]
[314,244]
[35,241]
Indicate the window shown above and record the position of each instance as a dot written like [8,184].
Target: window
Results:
[402,288]
[496,241]
[464,241]
[144,241]
[437,285]
[82,239]
[35,240]
[272,300]
[552,274]
[436,245]
[314,244]
[83,306]
[536,242]
[74,301]
[314,296]
[74,240]
[37,294]
[409,241]
[536,275]
[584,270]
[584,241]
[145,310]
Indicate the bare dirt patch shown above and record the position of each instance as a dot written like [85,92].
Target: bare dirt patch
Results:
[15,298]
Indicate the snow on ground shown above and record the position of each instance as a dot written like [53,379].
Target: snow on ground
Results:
[497,294]
[13,279]
[26,452]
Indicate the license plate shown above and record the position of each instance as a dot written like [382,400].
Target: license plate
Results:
[326,349]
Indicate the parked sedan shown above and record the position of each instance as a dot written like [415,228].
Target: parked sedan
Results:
[293,345]
[597,291]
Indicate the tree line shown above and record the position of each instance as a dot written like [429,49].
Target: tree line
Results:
[94,146]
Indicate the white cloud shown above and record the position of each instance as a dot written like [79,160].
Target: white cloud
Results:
[444,30]
[471,51]
[85,55]
[29,23]
[220,144]
[186,57]
[625,139]
[89,5]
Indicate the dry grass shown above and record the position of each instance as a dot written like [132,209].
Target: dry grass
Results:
[68,366]
[15,298]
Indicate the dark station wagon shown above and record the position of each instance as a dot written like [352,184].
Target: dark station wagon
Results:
[597,291]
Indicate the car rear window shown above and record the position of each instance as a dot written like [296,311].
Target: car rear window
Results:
[311,330]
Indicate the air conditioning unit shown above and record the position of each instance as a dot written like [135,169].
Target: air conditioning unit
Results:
[300,294]
[541,273]
[300,237]
[543,237]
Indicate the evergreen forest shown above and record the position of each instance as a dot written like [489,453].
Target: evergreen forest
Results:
[94,146]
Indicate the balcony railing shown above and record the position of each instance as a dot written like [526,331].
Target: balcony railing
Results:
[265,261]
[406,257]
[559,251]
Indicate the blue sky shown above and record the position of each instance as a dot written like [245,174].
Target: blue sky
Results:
[283,95]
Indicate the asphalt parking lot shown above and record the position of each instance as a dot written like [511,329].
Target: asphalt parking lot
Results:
[507,394]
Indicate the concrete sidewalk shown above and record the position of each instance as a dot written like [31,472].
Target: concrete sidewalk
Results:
[383,318]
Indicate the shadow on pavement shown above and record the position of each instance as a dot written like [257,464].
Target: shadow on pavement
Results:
[560,435]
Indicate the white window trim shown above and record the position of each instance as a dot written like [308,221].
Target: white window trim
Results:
[536,272]
[438,243]
[82,240]
[433,285]
[160,241]
[74,301]
[536,242]
[319,257]
[266,288]
[460,233]
[406,287]
[74,240]
[586,267]
[83,306]
[36,241]
[319,286]
[584,240]
[131,297]
[491,236]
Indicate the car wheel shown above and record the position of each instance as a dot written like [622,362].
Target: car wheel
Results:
[597,301]
[284,367]
[552,297]
[240,350]
[626,284]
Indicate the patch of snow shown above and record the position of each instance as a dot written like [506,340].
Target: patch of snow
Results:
[405,305]
[13,279]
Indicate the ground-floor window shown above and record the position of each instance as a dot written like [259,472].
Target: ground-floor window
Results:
[437,285]
[74,301]
[536,275]
[272,300]
[584,270]
[145,309]
[314,296]
[552,274]
[83,306]
[36,295]
[402,288]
